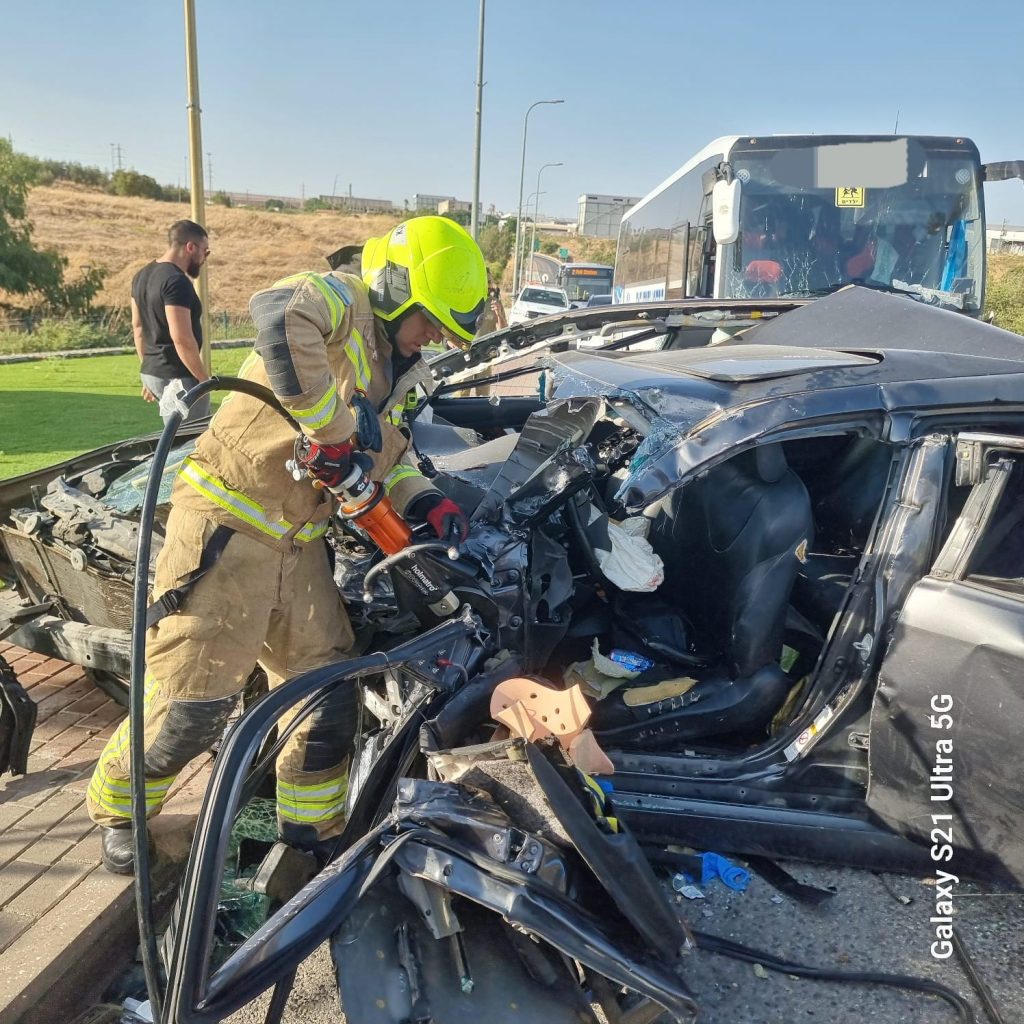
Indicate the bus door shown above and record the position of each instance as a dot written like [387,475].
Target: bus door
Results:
[703,251]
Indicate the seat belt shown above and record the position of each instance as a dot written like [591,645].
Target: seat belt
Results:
[171,601]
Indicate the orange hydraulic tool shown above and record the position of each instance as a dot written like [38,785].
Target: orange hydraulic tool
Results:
[364,503]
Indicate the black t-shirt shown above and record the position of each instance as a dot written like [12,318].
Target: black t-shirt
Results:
[153,287]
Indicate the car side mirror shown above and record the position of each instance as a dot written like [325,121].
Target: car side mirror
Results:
[725,211]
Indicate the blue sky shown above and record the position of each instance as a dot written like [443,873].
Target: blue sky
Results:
[381,96]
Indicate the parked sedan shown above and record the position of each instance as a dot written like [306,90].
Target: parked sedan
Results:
[535,301]
[815,653]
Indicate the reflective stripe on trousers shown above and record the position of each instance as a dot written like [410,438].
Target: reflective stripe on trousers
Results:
[113,795]
[314,804]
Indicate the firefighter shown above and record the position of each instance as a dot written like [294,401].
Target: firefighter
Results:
[244,575]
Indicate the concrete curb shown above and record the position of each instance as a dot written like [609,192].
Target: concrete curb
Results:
[84,353]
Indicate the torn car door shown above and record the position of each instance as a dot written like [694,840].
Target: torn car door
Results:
[952,681]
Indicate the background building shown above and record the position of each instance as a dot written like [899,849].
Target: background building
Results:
[423,202]
[600,215]
[258,199]
[1006,238]
[458,206]
[358,204]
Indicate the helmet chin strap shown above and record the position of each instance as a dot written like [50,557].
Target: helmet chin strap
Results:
[391,326]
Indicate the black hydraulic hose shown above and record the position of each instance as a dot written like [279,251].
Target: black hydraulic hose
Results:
[140,601]
[399,556]
[725,947]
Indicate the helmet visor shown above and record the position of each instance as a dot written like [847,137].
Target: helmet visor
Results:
[469,321]
[463,320]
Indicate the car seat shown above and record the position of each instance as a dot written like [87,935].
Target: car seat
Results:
[847,497]
[732,542]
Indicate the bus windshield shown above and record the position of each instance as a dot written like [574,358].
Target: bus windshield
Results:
[581,280]
[901,214]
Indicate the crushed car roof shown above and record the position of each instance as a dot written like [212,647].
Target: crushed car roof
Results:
[698,417]
[852,338]
[858,319]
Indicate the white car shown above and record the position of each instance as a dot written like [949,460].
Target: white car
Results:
[537,300]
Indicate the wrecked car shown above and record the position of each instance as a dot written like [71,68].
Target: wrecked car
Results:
[763,596]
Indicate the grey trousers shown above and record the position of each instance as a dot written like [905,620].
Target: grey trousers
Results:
[157,384]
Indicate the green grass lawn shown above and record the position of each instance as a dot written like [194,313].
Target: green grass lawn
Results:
[53,409]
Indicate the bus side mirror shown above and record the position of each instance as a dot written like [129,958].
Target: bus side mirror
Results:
[725,211]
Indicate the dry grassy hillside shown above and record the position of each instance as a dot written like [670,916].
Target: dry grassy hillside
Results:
[251,248]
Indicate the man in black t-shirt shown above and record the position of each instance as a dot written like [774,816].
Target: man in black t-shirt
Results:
[166,316]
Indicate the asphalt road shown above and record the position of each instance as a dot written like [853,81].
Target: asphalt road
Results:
[541,269]
[863,927]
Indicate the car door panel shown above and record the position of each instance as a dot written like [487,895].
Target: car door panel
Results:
[943,733]
[944,757]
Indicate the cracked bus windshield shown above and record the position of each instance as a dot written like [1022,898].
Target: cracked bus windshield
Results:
[815,213]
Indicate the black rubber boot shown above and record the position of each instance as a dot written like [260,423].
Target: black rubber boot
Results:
[304,838]
[118,850]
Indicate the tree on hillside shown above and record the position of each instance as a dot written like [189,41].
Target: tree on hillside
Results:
[496,244]
[24,269]
[132,183]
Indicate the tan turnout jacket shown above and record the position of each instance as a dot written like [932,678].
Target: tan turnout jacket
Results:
[318,341]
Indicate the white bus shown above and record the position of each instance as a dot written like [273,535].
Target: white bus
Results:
[803,215]
[581,280]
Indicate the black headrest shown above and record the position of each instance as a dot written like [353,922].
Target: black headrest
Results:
[771,462]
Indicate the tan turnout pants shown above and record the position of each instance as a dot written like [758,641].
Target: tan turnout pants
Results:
[257,604]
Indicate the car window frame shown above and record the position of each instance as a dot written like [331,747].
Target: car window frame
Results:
[954,558]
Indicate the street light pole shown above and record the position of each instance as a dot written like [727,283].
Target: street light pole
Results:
[474,217]
[533,197]
[516,268]
[195,147]
[536,210]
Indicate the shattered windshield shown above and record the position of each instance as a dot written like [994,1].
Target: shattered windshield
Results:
[815,218]
[126,493]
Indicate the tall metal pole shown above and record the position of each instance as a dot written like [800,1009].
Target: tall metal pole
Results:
[536,210]
[533,197]
[516,267]
[474,217]
[195,151]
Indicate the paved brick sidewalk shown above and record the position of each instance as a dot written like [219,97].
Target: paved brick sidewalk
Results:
[60,911]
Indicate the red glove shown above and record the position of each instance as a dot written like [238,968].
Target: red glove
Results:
[446,516]
[328,464]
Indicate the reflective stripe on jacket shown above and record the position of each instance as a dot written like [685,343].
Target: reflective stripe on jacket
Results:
[317,343]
